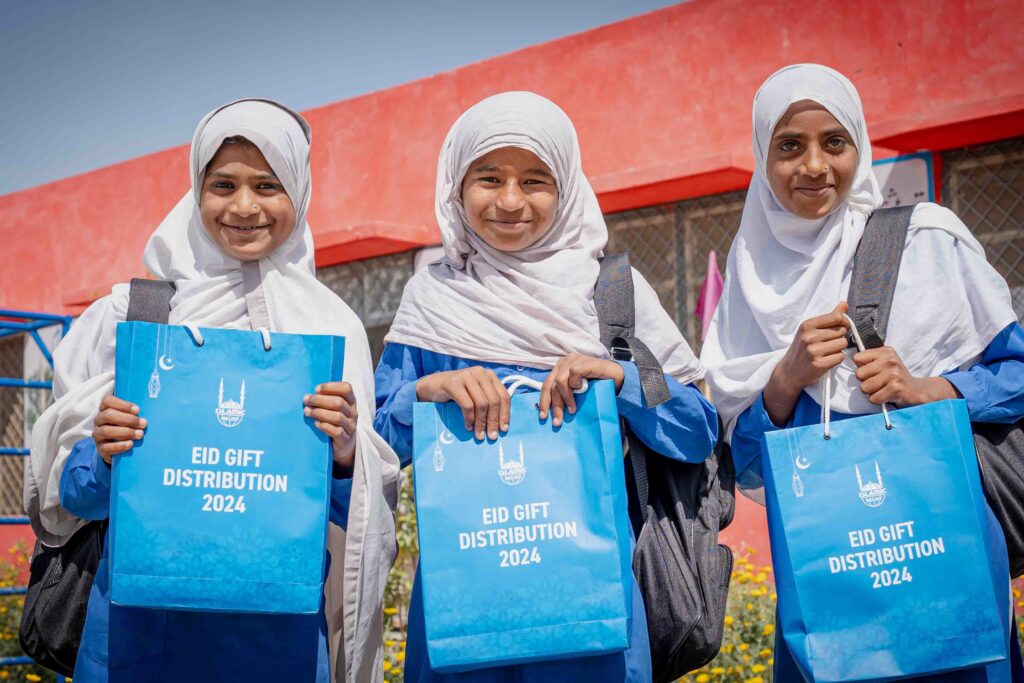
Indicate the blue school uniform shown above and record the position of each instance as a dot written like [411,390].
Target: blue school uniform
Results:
[129,645]
[685,428]
[994,391]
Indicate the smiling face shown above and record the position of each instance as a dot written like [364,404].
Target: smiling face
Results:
[243,206]
[510,197]
[812,161]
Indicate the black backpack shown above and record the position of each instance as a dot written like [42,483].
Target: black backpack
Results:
[1000,447]
[676,508]
[60,578]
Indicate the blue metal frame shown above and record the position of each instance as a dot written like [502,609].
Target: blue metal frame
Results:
[24,322]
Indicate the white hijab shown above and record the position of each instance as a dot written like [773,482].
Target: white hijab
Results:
[216,290]
[782,269]
[535,306]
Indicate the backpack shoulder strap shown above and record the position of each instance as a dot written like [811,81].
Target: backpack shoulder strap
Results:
[876,265]
[149,301]
[616,315]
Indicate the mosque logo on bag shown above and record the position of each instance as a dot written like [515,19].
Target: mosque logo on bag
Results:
[511,472]
[230,412]
[872,493]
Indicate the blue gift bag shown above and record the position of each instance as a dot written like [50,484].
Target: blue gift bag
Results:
[222,506]
[880,541]
[524,542]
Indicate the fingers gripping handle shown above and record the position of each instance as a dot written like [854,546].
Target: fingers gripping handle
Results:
[827,403]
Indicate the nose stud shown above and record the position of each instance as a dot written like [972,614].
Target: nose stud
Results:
[255,206]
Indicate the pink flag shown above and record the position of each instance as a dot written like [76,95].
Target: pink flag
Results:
[710,292]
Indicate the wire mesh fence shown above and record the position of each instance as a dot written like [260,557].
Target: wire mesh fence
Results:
[12,426]
[373,288]
[670,245]
[984,186]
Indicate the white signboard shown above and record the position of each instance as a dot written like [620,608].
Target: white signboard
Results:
[906,179]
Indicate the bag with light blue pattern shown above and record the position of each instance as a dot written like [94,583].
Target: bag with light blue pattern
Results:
[524,543]
[223,505]
[881,546]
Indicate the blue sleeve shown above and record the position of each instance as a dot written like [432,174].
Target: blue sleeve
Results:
[994,388]
[399,368]
[341,495]
[685,427]
[85,482]
[751,425]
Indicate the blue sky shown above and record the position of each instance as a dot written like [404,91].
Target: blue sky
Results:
[89,83]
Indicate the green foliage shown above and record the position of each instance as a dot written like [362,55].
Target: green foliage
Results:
[399,588]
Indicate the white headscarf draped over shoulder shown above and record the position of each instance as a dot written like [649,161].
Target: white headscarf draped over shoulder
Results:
[534,306]
[279,292]
[783,269]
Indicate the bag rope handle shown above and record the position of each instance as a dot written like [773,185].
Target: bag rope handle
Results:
[197,336]
[827,407]
[524,381]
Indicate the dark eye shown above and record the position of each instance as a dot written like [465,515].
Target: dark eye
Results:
[789,146]
[222,185]
[269,187]
[488,179]
[836,142]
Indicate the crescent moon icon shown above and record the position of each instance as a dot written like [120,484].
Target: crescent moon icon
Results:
[166,363]
[802,463]
[446,437]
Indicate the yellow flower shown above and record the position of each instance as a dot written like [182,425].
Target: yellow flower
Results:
[760,578]
[718,670]
[32,677]
[400,656]
[754,679]
[729,620]
[757,668]
[387,665]
[389,643]
[727,648]
[4,674]
[703,678]
[390,611]
[742,647]
[768,629]
[771,662]
[765,653]
[749,605]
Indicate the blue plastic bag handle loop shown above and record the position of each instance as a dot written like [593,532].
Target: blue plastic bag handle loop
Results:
[197,335]
[516,381]
[827,408]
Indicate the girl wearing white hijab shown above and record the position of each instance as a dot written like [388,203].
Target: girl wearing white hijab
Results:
[240,254]
[779,325]
[513,294]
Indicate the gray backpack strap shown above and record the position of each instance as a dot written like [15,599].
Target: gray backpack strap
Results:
[149,301]
[613,298]
[876,266]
